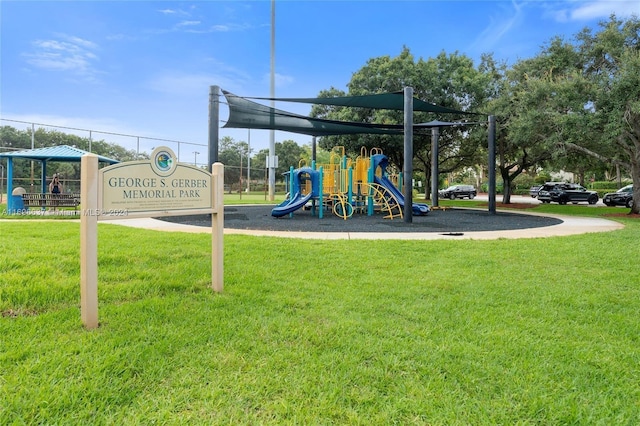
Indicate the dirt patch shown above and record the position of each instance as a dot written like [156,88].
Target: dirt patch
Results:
[521,206]
[626,215]
[15,313]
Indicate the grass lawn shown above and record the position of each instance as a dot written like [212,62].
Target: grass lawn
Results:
[252,198]
[532,331]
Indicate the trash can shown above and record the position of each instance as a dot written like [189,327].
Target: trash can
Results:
[17,204]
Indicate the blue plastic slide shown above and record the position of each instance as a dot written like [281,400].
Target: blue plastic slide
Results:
[418,209]
[291,205]
[297,200]
[380,160]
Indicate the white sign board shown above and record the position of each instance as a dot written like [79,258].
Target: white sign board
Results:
[156,187]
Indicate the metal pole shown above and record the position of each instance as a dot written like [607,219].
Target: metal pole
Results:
[33,144]
[492,164]
[408,154]
[249,162]
[272,134]
[313,149]
[214,114]
[2,182]
[435,136]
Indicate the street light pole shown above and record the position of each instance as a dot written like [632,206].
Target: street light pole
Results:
[195,158]
[271,163]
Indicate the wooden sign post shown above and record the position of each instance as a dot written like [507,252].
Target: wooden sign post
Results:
[157,187]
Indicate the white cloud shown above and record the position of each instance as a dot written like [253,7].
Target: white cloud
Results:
[66,53]
[498,28]
[189,85]
[600,9]
[281,80]
[188,23]
[178,12]
[219,28]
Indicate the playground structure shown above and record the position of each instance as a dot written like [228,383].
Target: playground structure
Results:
[345,187]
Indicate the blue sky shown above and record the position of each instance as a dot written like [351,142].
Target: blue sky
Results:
[144,67]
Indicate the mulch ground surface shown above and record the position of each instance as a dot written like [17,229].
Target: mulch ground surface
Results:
[442,221]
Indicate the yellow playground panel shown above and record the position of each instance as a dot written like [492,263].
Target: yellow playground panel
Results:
[348,187]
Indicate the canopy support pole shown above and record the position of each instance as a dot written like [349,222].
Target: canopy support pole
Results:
[214,114]
[435,172]
[408,154]
[492,164]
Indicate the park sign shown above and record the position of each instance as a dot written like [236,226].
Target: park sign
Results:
[160,186]
[157,187]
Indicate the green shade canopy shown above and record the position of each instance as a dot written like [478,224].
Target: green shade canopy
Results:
[246,114]
[393,100]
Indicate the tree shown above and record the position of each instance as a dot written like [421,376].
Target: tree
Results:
[572,100]
[232,154]
[592,92]
[289,155]
[447,80]
[13,139]
[529,99]
[612,64]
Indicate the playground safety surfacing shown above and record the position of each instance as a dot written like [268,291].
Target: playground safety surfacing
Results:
[455,223]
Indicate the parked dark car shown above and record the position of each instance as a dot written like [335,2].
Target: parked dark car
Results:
[564,193]
[622,197]
[543,191]
[458,191]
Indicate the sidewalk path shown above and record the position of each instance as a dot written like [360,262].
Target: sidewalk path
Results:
[440,224]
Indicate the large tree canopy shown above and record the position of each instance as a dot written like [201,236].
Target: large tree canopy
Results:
[613,66]
[448,80]
[575,105]
[14,139]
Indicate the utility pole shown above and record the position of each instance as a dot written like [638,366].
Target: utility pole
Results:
[271,160]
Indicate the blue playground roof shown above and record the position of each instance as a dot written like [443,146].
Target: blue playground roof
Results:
[61,153]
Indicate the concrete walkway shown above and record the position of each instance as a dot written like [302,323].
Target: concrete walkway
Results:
[570,225]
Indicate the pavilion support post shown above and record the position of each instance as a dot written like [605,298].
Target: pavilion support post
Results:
[435,136]
[408,154]
[10,205]
[43,177]
[492,164]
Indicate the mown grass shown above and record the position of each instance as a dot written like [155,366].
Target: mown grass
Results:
[535,331]
[253,197]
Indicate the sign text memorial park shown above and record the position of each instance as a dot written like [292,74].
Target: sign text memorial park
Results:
[157,187]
